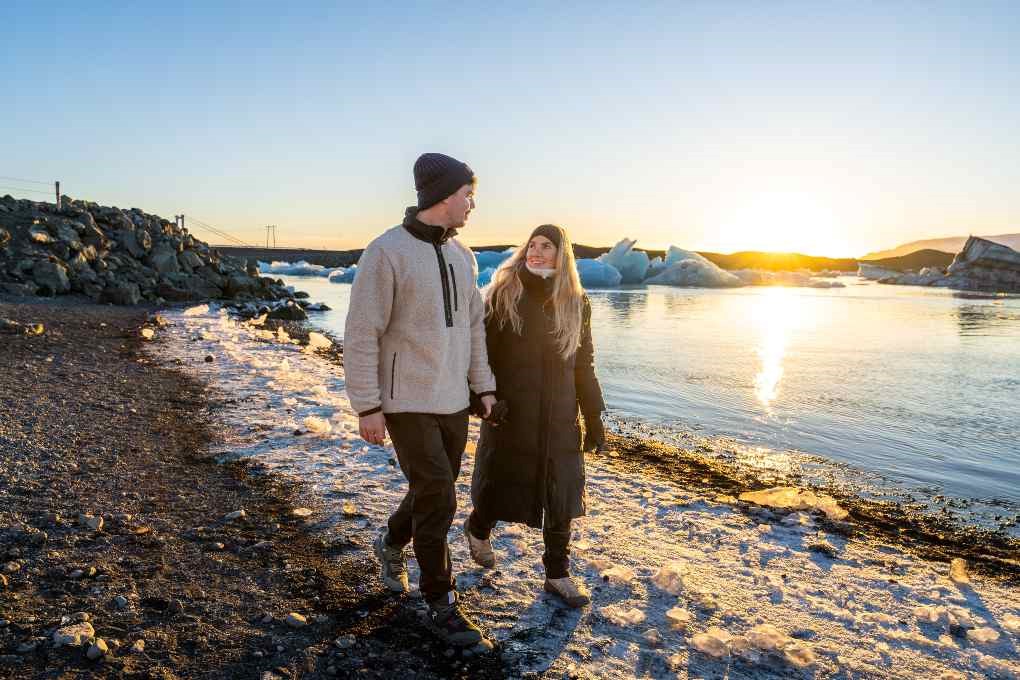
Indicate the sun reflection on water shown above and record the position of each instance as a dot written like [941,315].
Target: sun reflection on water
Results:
[774,318]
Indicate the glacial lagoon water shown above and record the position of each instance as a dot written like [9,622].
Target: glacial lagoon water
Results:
[908,388]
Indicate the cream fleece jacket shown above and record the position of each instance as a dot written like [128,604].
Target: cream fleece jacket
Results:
[415,334]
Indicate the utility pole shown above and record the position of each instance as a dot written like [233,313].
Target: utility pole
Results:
[270,228]
[57,185]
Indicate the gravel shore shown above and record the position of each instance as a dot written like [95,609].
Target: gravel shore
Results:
[127,552]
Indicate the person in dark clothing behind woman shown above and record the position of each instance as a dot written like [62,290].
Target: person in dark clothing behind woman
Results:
[530,467]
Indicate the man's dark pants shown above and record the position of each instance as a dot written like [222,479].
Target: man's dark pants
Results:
[429,449]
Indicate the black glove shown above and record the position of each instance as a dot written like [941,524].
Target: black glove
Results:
[500,410]
[475,406]
[594,432]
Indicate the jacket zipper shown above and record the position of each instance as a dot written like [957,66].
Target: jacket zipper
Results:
[453,278]
[446,285]
[393,375]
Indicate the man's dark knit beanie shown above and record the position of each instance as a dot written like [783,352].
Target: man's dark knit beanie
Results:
[437,176]
[550,231]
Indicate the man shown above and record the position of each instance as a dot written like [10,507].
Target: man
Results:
[413,346]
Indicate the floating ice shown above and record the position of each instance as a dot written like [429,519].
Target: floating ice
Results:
[341,275]
[595,274]
[686,268]
[490,259]
[485,276]
[622,615]
[796,499]
[299,268]
[632,264]
[761,277]
[197,310]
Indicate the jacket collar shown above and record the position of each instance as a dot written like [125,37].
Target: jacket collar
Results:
[425,232]
[536,284]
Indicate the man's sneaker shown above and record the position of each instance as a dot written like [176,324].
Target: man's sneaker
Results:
[394,569]
[481,550]
[452,624]
[565,589]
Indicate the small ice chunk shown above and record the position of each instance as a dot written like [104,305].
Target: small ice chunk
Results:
[958,570]
[714,642]
[1011,622]
[983,635]
[927,614]
[679,618]
[618,574]
[317,341]
[670,577]
[622,615]
[147,333]
[742,647]
[653,638]
[317,425]
[796,499]
[767,637]
[799,655]
[349,508]
[197,310]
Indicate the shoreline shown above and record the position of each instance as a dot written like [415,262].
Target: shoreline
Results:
[690,497]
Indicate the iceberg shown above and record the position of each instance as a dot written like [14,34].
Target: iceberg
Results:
[595,274]
[632,264]
[873,272]
[490,259]
[299,268]
[686,268]
[485,276]
[341,275]
[760,277]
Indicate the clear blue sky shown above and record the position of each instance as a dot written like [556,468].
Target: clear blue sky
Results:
[830,127]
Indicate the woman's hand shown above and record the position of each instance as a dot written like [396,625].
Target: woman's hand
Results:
[594,432]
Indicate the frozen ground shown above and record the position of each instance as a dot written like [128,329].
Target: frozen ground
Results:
[683,585]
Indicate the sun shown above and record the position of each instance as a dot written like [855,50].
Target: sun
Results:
[783,221]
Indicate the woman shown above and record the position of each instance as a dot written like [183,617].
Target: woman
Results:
[530,467]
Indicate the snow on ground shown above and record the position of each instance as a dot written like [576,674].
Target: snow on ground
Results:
[683,585]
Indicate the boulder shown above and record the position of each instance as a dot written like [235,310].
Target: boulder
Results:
[163,259]
[135,242]
[122,294]
[65,233]
[39,235]
[51,277]
[92,236]
[190,260]
[5,237]
[288,312]
[181,287]
[75,635]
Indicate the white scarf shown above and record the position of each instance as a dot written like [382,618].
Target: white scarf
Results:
[544,273]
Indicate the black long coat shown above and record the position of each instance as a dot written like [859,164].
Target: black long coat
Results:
[532,465]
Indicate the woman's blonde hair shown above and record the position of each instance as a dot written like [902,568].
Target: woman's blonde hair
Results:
[567,298]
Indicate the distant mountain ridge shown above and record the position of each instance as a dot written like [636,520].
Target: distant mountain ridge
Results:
[951,244]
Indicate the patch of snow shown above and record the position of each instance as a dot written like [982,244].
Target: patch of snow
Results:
[796,499]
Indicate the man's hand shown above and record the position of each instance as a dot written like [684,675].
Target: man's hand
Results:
[488,401]
[372,428]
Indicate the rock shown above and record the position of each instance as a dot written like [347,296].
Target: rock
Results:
[824,547]
[652,637]
[190,260]
[147,333]
[76,574]
[92,522]
[138,647]
[4,582]
[289,312]
[97,650]
[163,259]
[134,242]
[120,602]
[39,235]
[122,293]
[295,620]
[12,567]
[301,512]
[51,277]
[236,514]
[209,358]
[74,635]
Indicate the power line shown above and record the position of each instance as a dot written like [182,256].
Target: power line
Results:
[21,179]
[34,191]
[218,232]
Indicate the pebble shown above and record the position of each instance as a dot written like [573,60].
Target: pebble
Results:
[92,522]
[268,618]
[217,546]
[97,649]
[236,514]
[12,567]
[27,647]
[301,512]
[121,602]
[208,358]
[295,620]
[345,641]
[76,574]
[74,635]
[138,647]
[4,582]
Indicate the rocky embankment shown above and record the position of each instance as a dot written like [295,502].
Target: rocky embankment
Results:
[116,256]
